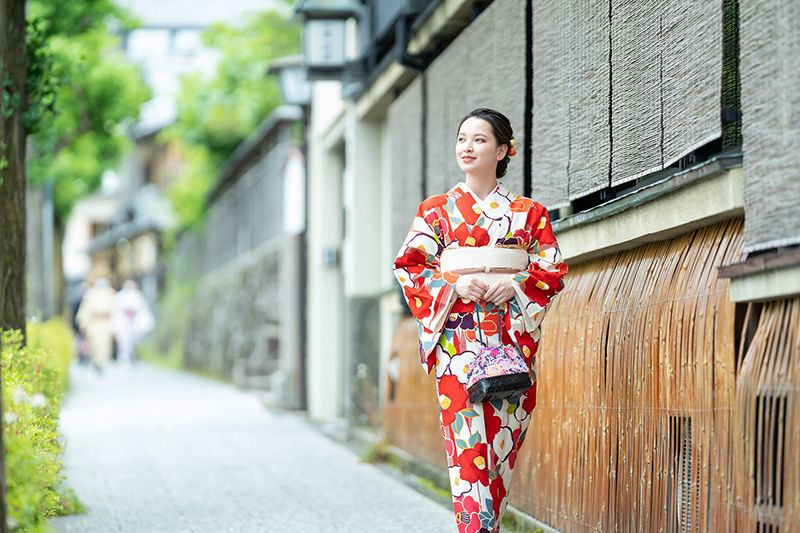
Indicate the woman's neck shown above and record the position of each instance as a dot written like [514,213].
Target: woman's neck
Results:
[481,185]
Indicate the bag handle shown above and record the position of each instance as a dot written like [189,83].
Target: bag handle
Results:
[478,323]
[499,327]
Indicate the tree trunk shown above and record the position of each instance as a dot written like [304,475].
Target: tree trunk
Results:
[13,67]
[12,188]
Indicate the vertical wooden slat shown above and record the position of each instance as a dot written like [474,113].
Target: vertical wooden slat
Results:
[640,346]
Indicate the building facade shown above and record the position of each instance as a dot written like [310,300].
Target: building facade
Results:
[660,138]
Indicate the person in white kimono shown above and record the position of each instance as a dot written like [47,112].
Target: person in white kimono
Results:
[131,320]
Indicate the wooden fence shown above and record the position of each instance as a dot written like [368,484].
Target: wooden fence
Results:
[662,405]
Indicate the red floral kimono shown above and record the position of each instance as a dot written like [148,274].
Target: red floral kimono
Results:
[481,440]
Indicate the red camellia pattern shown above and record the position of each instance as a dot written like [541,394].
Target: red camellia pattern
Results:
[452,398]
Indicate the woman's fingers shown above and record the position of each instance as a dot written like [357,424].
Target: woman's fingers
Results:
[488,295]
[493,292]
[479,287]
[497,290]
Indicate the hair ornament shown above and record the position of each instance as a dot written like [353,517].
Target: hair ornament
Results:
[512,149]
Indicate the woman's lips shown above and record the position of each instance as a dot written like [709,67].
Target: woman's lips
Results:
[467,159]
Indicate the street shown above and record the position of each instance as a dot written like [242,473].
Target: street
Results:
[157,450]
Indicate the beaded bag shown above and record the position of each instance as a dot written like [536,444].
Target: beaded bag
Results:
[497,372]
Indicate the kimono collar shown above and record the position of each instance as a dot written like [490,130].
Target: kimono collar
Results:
[482,203]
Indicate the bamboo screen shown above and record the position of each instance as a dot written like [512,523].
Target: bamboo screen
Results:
[770,65]
[636,94]
[482,67]
[550,141]
[589,142]
[767,428]
[643,422]
[411,410]
[404,120]
[621,88]
[637,369]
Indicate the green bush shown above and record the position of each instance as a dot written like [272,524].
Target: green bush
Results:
[34,381]
[56,338]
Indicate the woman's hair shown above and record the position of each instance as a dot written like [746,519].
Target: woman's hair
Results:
[501,127]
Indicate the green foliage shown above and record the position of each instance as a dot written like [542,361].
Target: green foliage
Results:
[189,191]
[34,381]
[11,99]
[55,338]
[84,96]
[40,82]
[78,17]
[215,115]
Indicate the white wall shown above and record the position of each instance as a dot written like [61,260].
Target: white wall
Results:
[363,206]
[325,338]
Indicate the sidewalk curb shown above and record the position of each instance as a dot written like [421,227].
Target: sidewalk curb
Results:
[427,479]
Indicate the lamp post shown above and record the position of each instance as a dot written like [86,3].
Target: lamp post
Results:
[293,79]
[325,36]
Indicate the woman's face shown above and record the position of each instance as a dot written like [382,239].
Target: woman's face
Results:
[477,150]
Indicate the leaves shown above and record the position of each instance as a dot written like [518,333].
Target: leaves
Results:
[459,423]
[83,94]
[215,115]
[34,381]
[41,82]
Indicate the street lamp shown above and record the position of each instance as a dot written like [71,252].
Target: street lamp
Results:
[325,36]
[293,79]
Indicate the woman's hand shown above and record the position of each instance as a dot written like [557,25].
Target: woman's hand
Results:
[471,288]
[500,292]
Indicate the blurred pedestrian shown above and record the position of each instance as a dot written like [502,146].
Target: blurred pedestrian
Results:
[94,321]
[81,344]
[131,320]
[478,269]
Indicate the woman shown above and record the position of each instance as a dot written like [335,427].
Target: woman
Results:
[94,319]
[471,225]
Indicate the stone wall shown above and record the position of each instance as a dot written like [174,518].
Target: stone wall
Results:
[244,322]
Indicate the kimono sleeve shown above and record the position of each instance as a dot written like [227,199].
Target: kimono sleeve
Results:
[429,293]
[544,277]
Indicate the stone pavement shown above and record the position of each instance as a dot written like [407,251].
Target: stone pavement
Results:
[155,450]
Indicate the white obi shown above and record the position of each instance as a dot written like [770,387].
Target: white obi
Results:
[488,263]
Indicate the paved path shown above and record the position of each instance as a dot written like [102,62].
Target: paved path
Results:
[153,450]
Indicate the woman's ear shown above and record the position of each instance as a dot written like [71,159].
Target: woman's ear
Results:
[502,150]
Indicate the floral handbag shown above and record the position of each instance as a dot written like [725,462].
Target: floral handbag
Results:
[497,372]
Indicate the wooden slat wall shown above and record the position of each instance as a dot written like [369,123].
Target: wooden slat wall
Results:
[767,425]
[637,376]
[411,417]
[641,423]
